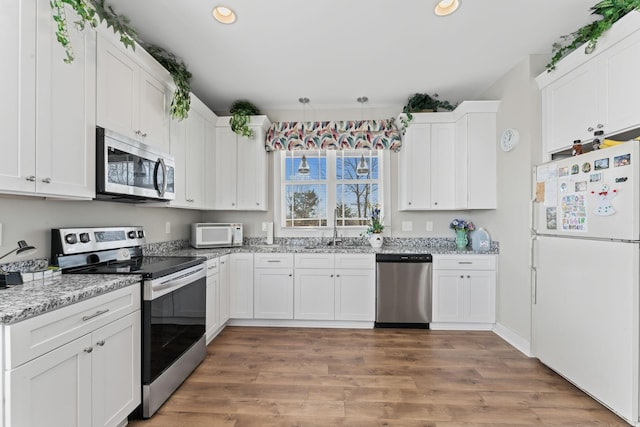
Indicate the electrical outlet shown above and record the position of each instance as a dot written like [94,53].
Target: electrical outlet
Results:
[0,234]
[167,227]
[429,225]
[407,225]
[264,226]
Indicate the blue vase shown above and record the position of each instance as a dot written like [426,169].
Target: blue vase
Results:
[461,239]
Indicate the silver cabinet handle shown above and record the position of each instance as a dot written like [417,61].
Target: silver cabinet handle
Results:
[600,126]
[461,276]
[137,132]
[409,203]
[88,349]
[31,178]
[144,135]
[291,275]
[337,275]
[589,129]
[435,203]
[47,180]
[465,262]
[331,275]
[100,343]
[468,277]
[273,260]
[96,314]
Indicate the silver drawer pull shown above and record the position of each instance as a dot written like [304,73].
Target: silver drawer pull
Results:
[96,314]
[100,343]
[465,262]
[273,260]
[88,349]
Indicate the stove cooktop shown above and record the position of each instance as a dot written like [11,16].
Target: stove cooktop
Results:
[149,267]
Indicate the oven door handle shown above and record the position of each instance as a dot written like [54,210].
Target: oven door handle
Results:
[163,288]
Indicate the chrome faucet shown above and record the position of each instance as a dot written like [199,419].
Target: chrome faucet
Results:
[336,239]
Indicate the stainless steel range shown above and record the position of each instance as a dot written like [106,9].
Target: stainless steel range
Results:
[173,293]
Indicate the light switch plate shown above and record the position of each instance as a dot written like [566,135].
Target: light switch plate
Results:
[429,225]
[407,225]
[167,227]
[0,234]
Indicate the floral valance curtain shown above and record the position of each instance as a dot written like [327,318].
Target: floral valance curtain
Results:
[334,135]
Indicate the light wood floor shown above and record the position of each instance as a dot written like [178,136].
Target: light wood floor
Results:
[267,377]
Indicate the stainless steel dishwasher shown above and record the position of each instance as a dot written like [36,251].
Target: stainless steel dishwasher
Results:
[403,290]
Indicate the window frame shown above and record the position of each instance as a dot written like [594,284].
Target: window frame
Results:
[279,195]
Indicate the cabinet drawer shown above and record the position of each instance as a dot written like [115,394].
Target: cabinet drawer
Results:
[360,261]
[464,262]
[212,266]
[314,260]
[273,260]
[34,337]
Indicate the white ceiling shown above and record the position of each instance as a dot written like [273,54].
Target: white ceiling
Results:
[333,51]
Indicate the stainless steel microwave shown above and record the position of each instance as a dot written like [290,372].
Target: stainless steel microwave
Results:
[216,235]
[128,170]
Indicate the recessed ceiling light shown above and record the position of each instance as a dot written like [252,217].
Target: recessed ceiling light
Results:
[224,15]
[446,7]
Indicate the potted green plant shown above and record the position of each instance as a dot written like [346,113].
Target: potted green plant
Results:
[241,112]
[423,102]
[610,10]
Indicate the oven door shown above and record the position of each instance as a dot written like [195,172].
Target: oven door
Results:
[128,168]
[174,311]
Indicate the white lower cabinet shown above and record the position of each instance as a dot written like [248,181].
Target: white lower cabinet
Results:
[93,379]
[223,275]
[273,286]
[213,298]
[464,291]
[334,287]
[241,286]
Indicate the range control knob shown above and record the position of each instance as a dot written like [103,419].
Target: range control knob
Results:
[140,234]
[84,237]
[71,238]
[132,234]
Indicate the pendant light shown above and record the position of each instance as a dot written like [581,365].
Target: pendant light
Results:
[303,167]
[363,167]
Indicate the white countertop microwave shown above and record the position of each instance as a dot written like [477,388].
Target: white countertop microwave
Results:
[216,235]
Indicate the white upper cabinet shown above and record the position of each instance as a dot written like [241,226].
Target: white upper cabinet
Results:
[48,108]
[132,93]
[448,160]
[190,139]
[241,173]
[586,93]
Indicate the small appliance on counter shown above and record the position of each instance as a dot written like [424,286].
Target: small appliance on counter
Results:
[216,235]
[480,240]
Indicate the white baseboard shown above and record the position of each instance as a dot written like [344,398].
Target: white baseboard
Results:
[461,326]
[301,323]
[514,339]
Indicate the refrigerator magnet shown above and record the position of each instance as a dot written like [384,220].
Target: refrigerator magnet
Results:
[601,164]
[623,160]
[581,186]
[563,171]
[605,208]
[575,169]
[586,167]
[595,177]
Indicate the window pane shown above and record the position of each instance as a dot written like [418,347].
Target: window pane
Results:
[306,205]
[346,166]
[355,203]
[317,166]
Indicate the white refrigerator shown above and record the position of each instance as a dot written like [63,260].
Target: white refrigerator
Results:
[585,273]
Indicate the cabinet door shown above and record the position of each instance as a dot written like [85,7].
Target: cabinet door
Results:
[414,180]
[153,112]
[241,286]
[213,311]
[195,139]
[66,118]
[273,293]
[443,166]
[116,370]
[179,152]
[448,296]
[355,294]
[622,86]
[225,169]
[224,289]
[117,90]
[314,295]
[18,107]
[480,296]
[482,178]
[571,105]
[252,172]
[58,383]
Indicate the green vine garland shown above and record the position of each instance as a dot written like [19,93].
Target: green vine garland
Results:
[241,112]
[610,10]
[89,11]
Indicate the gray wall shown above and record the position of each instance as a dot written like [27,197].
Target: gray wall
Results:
[31,219]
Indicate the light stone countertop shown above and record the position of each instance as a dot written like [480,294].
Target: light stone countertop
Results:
[21,302]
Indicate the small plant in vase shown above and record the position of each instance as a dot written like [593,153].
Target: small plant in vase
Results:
[461,227]
[374,231]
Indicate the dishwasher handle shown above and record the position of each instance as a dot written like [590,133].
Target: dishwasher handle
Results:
[416,258]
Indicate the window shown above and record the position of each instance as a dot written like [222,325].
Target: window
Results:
[331,191]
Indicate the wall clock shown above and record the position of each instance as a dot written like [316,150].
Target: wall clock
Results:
[509,139]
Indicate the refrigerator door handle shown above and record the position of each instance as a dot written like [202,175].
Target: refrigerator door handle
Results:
[534,270]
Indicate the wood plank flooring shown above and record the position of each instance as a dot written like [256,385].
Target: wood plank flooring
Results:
[280,377]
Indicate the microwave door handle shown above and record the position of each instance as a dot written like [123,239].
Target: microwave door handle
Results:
[159,163]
